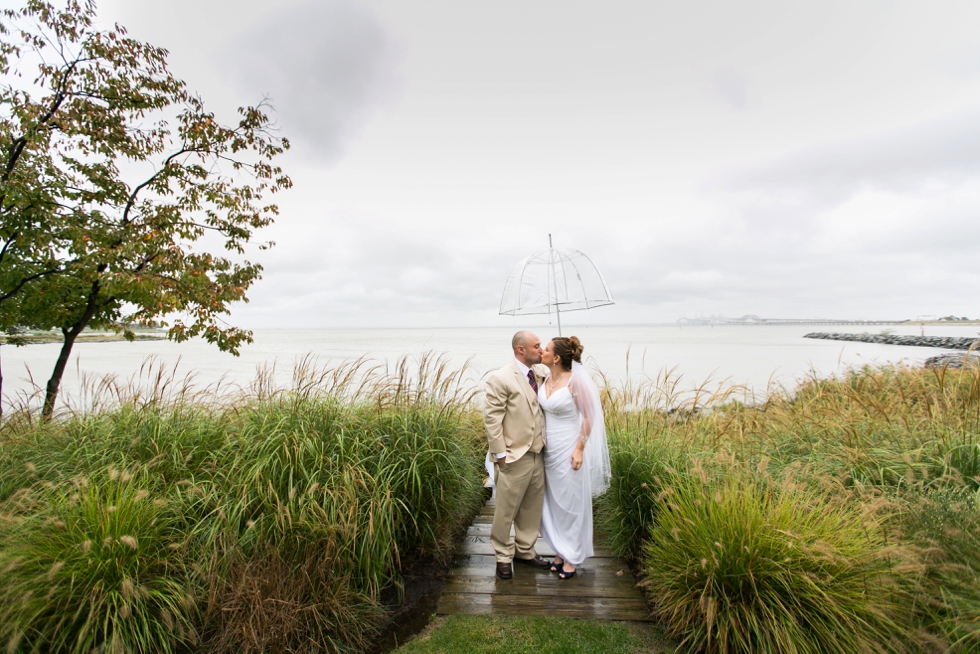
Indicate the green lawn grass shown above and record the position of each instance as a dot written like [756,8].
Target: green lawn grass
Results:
[477,634]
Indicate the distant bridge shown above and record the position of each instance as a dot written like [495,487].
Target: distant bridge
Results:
[756,320]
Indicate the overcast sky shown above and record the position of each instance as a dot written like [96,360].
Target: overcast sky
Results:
[787,159]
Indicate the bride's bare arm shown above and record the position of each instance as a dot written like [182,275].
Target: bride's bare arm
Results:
[586,411]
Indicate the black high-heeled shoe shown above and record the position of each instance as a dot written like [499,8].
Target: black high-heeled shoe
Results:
[556,565]
[563,575]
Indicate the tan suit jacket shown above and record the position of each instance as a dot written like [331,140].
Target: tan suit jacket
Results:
[511,414]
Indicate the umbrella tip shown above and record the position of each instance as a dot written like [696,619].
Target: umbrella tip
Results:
[549,241]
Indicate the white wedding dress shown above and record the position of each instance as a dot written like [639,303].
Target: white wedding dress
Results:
[566,519]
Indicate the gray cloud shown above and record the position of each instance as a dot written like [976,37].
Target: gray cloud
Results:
[864,227]
[356,269]
[903,160]
[327,66]
[964,61]
[885,250]
[731,88]
[605,125]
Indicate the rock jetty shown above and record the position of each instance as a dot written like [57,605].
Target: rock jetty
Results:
[955,361]
[946,342]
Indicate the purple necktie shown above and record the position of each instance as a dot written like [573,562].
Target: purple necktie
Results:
[530,378]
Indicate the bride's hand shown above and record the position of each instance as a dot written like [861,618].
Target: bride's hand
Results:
[577,457]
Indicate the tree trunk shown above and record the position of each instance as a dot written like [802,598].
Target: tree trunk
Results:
[1,387]
[51,391]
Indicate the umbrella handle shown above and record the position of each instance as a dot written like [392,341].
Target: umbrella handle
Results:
[555,284]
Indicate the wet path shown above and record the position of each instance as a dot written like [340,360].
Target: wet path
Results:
[602,587]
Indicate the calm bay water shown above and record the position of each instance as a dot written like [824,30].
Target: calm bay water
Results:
[753,356]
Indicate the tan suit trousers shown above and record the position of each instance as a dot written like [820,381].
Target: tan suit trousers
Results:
[520,492]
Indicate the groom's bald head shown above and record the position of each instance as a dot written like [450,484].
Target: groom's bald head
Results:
[527,347]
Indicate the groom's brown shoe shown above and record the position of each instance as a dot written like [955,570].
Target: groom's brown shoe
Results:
[505,570]
[538,562]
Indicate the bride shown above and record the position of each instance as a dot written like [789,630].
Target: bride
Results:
[576,458]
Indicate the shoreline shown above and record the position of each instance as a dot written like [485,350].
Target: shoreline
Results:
[47,339]
[944,342]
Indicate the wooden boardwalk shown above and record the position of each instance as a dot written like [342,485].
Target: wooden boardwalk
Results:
[602,587]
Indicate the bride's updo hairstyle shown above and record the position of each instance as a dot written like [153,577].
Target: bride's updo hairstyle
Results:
[568,349]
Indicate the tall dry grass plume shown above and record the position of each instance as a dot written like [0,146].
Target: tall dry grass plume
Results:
[155,517]
[838,517]
[841,516]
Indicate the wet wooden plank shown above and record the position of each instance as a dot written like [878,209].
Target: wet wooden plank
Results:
[583,584]
[599,542]
[596,591]
[483,529]
[601,608]
[481,545]
[486,564]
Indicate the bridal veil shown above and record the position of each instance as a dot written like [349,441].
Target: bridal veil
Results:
[596,455]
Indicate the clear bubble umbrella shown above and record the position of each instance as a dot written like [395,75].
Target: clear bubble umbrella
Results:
[554,280]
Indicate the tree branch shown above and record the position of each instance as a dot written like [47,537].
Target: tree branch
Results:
[17,145]
[6,245]
[27,280]
[154,177]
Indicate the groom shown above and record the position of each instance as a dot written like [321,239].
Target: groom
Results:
[515,430]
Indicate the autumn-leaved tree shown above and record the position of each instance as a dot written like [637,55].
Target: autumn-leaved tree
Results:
[111,174]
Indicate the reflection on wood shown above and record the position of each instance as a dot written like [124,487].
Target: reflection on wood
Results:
[481,545]
[602,588]
[583,584]
[614,608]
[486,564]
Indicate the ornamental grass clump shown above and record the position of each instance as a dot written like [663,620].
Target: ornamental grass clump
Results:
[262,520]
[94,565]
[745,565]
[945,527]
[630,507]
[902,441]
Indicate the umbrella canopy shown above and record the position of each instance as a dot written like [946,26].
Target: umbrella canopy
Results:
[554,280]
